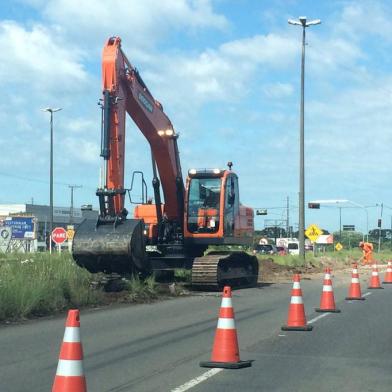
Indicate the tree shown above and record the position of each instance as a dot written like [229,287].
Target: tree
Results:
[349,239]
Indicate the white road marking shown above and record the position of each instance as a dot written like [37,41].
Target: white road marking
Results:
[190,384]
[366,294]
[318,318]
[281,335]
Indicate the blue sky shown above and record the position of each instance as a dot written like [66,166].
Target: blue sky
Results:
[227,74]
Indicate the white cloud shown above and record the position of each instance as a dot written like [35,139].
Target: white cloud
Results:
[222,74]
[141,24]
[359,19]
[278,90]
[33,58]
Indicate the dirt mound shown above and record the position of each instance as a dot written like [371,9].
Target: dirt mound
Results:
[272,272]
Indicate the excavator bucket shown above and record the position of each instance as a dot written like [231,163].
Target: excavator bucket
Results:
[111,248]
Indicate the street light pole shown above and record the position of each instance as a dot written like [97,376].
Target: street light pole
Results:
[51,111]
[340,224]
[72,187]
[301,230]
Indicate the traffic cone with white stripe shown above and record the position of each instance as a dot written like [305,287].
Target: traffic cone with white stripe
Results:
[327,300]
[296,320]
[375,279]
[225,351]
[69,374]
[354,292]
[388,274]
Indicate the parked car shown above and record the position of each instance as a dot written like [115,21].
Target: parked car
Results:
[268,249]
[293,248]
[308,247]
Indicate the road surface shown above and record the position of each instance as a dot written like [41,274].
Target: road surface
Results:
[157,347]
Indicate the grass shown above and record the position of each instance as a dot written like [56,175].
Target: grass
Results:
[39,284]
[142,290]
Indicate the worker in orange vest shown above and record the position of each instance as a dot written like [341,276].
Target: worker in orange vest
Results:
[367,249]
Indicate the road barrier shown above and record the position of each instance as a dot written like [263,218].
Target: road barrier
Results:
[225,351]
[327,300]
[70,375]
[375,279]
[354,292]
[296,320]
[388,273]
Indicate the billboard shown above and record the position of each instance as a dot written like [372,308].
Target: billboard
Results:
[22,227]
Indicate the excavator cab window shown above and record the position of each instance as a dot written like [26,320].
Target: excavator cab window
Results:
[204,205]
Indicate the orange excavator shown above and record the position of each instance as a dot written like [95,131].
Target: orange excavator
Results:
[162,236]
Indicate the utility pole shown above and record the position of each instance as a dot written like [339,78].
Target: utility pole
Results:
[72,187]
[301,229]
[340,224]
[287,218]
[379,228]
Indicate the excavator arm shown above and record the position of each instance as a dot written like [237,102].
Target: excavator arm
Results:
[125,92]
[114,243]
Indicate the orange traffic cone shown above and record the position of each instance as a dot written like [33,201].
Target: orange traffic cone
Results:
[296,318]
[69,374]
[388,274]
[327,300]
[354,292]
[225,352]
[375,280]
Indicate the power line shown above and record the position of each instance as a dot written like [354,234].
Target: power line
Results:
[31,179]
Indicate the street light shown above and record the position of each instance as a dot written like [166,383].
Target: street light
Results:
[301,230]
[51,111]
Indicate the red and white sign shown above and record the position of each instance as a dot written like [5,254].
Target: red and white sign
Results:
[59,235]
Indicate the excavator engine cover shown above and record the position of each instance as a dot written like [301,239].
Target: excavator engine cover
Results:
[111,248]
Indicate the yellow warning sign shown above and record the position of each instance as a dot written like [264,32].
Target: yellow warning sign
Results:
[70,234]
[338,246]
[313,232]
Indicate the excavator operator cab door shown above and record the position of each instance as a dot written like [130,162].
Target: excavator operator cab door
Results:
[231,204]
[204,204]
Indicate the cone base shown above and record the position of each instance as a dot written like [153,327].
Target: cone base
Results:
[374,288]
[300,328]
[226,365]
[319,310]
[386,282]
[355,299]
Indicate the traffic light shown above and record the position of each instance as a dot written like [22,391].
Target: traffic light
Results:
[379,223]
[314,205]
[261,212]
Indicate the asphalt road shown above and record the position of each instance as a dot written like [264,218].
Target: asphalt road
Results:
[157,347]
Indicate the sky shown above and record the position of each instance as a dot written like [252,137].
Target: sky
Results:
[228,76]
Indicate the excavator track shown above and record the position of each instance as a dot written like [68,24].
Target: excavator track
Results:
[218,269]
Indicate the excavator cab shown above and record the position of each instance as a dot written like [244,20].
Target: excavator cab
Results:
[213,214]
[204,205]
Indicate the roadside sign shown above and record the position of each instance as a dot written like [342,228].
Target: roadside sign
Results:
[348,227]
[70,234]
[338,246]
[59,235]
[22,227]
[5,238]
[313,232]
